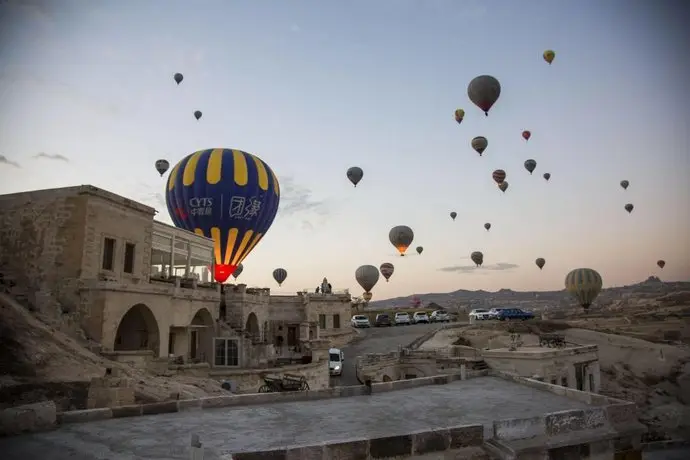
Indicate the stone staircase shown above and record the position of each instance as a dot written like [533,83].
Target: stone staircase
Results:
[479,365]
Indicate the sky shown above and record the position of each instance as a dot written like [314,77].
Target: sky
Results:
[315,86]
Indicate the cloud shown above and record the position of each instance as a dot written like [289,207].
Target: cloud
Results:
[296,199]
[52,156]
[471,268]
[7,161]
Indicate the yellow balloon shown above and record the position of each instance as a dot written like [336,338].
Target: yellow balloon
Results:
[459,115]
[549,56]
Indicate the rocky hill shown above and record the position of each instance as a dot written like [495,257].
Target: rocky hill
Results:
[651,288]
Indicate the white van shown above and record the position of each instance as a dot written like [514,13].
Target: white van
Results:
[335,361]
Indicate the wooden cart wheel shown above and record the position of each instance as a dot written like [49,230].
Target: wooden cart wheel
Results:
[305,385]
[265,389]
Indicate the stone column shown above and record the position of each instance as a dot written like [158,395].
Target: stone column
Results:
[595,370]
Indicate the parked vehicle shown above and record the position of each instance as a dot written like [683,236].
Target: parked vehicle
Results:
[493,313]
[479,314]
[420,317]
[360,321]
[335,361]
[382,319]
[439,316]
[402,319]
[514,314]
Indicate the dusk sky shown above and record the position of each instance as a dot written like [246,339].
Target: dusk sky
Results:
[316,86]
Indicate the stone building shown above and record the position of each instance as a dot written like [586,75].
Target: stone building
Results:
[98,264]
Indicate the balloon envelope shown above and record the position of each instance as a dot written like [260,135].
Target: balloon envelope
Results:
[625,184]
[178,78]
[238,271]
[477,257]
[197,114]
[499,176]
[367,276]
[355,174]
[547,176]
[549,56]
[401,237]
[629,207]
[479,144]
[661,263]
[487,226]
[540,262]
[526,135]
[503,186]
[459,115]
[420,249]
[584,284]
[162,166]
[484,91]
[387,270]
[280,275]
[453,215]
[530,165]
[227,195]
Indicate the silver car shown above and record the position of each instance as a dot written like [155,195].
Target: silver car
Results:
[360,321]
[402,319]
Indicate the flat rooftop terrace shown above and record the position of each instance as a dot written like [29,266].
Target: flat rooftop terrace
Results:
[254,428]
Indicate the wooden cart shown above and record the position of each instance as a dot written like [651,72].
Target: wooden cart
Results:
[288,382]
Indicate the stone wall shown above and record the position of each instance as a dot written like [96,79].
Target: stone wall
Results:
[405,364]
[249,380]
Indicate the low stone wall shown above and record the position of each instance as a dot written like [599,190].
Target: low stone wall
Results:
[460,441]
[338,338]
[28,418]
[416,343]
[249,380]
[214,402]
[396,364]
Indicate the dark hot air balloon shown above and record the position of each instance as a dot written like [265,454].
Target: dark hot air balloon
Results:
[540,262]
[625,184]
[584,284]
[401,237]
[661,263]
[355,174]
[484,91]
[549,56]
[487,226]
[367,276]
[420,249]
[479,144]
[197,114]
[238,271]
[162,166]
[530,165]
[547,176]
[503,186]
[387,270]
[280,275]
[459,115]
[499,176]
[526,135]
[629,207]
[453,215]
[178,78]
[477,257]
[227,195]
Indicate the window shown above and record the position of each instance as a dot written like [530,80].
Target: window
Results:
[336,321]
[227,352]
[322,321]
[564,381]
[108,254]
[591,383]
[129,258]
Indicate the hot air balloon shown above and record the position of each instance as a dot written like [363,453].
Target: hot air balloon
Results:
[178,78]
[367,296]
[629,207]
[625,184]
[367,276]
[197,114]
[162,166]
[530,165]
[477,257]
[453,215]
[526,135]
[549,56]
[420,249]
[499,176]
[661,263]
[479,144]
[584,284]
[540,262]
[547,176]
[355,175]
[484,91]
[227,195]
[238,271]
[487,226]
[387,270]
[401,237]
[459,115]
[280,275]
[503,186]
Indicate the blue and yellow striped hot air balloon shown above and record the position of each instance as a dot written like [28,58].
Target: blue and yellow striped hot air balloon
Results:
[228,195]
[584,284]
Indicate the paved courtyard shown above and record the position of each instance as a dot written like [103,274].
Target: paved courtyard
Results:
[223,431]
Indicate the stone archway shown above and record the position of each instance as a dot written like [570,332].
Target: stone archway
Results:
[138,330]
[201,333]
[252,327]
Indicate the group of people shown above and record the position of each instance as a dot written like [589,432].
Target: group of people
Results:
[325,287]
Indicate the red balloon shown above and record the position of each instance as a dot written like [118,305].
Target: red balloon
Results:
[526,135]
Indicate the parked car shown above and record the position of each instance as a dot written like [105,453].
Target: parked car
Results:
[360,321]
[493,313]
[382,319]
[479,314]
[402,319]
[514,314]
[335,361]
[439,316]
[420,317]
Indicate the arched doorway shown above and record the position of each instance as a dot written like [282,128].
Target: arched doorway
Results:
[252,327]
[138,330]
[201,333]
[387,379]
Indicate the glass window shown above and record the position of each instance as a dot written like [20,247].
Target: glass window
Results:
[336,321]
[227,352]
[322,321]
[129,258]
[108,254]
